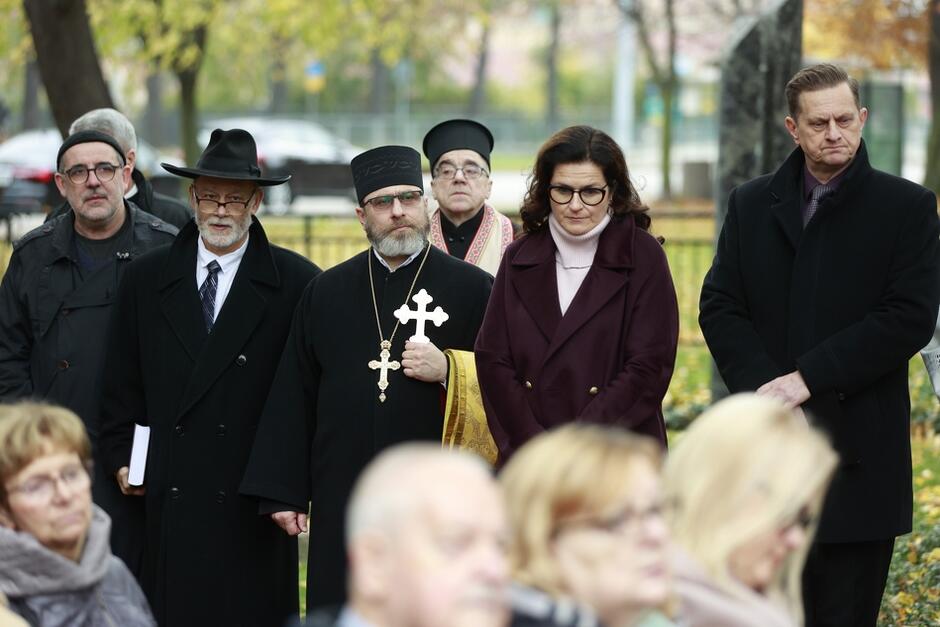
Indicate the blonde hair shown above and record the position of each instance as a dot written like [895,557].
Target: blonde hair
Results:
[746,450]
[29,430]
[571,471]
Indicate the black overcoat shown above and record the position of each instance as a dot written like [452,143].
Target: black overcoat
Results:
[324,421]
[847,302]
[211,559]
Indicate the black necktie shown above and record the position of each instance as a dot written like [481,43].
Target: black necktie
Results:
[207,293]
[816,196]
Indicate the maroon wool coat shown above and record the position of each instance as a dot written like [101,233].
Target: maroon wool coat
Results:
[608,360]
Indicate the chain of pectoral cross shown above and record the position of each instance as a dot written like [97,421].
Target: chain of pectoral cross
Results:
[384,364]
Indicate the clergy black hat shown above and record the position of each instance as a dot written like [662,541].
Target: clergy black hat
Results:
[386,166]
[230,154]
[456,135]
[84,137]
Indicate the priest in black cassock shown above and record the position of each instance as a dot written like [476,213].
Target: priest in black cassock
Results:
[356,378]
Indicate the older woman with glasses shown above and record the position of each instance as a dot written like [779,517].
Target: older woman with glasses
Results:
[747,481]
[582,324]
[590,543]
[56,565]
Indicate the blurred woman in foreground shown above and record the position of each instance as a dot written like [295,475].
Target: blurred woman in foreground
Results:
[56,565]
[747,481]
[589,538]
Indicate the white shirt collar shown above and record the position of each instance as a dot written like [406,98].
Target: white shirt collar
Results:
[402,264]
[226,261]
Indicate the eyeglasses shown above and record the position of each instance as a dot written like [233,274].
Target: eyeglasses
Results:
[471,171]
[41,489]
[589,196]
[104,172]
[384,203]
[212,205]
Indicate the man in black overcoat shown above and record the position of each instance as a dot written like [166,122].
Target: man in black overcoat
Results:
[354,378]
[826,280]
[197,331]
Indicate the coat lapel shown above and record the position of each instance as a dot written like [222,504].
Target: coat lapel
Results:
[179,298]
[535,282]
[242,312]
[608,276]
[785,189]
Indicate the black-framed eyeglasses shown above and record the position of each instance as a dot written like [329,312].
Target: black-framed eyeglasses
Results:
[471,171]
[211,205]
[104,172]
[411,198]
[589,196]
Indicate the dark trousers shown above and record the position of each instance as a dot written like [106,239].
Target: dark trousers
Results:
[843,583]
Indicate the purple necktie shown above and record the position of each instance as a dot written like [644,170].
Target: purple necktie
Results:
[207,293]
[815,198]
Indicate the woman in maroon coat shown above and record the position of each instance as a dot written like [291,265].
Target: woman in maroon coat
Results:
[582,323]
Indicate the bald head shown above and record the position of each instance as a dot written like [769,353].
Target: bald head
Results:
[426,537]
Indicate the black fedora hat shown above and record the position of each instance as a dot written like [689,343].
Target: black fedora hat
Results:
[230,154]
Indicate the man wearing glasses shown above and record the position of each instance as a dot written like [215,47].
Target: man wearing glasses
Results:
[355,377]
[465,225]
[195,339]
[56,296]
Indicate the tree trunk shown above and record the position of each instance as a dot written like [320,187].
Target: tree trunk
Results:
[31,96]
[153,113]
[667,92]
[378,98]
[551,67]
[189,126]
[277,105]
[932,172]
[67,59]
[478,95]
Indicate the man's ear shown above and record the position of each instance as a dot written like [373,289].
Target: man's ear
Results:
[361,214]
[792,129]
[370,565]
[256,200]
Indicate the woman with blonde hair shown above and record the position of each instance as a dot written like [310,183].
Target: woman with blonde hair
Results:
[747,482]
[589,538]
[56,566]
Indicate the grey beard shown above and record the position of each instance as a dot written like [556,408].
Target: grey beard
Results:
[390,246]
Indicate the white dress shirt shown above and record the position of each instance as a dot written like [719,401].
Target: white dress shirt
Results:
[229,267]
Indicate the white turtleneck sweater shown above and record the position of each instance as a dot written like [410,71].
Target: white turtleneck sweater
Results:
[574,255]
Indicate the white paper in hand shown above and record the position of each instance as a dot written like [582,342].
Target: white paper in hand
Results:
[138,463]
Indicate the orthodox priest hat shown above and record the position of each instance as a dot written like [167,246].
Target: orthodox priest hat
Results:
[456,135]
[231,155]
[386,166]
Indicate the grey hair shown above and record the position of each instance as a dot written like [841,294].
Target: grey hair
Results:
[109,121]
[394,483]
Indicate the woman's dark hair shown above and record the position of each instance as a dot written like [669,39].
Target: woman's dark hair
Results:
[577,144]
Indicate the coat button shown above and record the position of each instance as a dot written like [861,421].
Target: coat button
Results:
[528,385]
[593,391]
[241,360]
[174,493]
[63,364]
[220,496]
[179,430]
[220,430]
[66,312]
[841,396]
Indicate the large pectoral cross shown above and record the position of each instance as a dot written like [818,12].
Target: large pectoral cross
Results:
[383,365]
[421,315]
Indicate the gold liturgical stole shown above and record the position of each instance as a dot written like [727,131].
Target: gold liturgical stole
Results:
[465,424]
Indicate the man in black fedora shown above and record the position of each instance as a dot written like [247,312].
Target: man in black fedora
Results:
[196,335]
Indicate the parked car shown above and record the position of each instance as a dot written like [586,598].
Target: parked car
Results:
[27,171]
[317,160]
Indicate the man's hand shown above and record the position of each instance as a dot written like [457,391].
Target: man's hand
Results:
[790,388]
[292,522]
[424,362]
[126,488]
